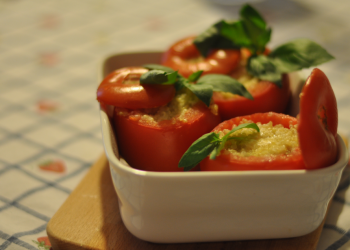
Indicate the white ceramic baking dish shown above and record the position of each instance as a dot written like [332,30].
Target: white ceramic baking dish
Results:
[216,206]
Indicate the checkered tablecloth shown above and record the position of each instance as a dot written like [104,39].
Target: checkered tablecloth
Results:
[50,54]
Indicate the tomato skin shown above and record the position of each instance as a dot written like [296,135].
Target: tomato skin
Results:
[113,91]
[318,121]
[268,97]
[184,57]
[227,162]
[160,147]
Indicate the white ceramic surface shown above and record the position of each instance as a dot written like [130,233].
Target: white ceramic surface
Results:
[216,206]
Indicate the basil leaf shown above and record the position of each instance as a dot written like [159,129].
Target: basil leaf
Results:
[256,28]
[213,39]
[225,43]
[236,33]
[156,76]
[194,76]
[249,14]
[292,56]
[214,153]
[172,77]
[224,83]
[250,31]
[244,125]
[200,149]
[207,84]
[203,92]
[299,54]
[264,68]
[205,41]
[180,83]
[159,67]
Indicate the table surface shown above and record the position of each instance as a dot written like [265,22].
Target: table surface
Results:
[50,54]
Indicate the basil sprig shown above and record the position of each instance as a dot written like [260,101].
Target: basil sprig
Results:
[209,144]
[204,87]
[289,57]
[252,32]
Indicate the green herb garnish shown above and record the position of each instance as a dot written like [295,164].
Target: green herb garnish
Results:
[209,144]
[289,57]
[157,76]
[252,32]
[204,86]
[212,38]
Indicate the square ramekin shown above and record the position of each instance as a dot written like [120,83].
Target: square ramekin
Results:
[216,206]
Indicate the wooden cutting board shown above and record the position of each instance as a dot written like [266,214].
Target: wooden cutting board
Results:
[90,219]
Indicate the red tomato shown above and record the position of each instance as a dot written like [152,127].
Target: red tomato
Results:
[122,89]
[267,97]
[184,57]
[318,121]
[228,162]
[159,147]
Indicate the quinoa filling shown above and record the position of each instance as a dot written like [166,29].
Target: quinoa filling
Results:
[271,141]
[175,111]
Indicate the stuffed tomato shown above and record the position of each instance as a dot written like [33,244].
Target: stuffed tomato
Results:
[274,141]
[275,147]
[184,57]
[267,96]
[155,139]
[154,123]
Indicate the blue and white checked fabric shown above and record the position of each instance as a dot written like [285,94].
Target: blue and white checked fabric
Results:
[50,53]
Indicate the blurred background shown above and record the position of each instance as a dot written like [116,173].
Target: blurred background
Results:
[50,55]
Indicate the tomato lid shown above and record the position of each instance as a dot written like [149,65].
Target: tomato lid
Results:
[318,121]
[122,89]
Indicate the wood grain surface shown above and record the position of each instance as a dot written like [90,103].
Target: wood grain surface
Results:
[90,219]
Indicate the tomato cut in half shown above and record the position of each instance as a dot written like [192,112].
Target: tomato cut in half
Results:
[160,146]
[122,89]
[184,57]
[318,121]
[268,97]
[229,162]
